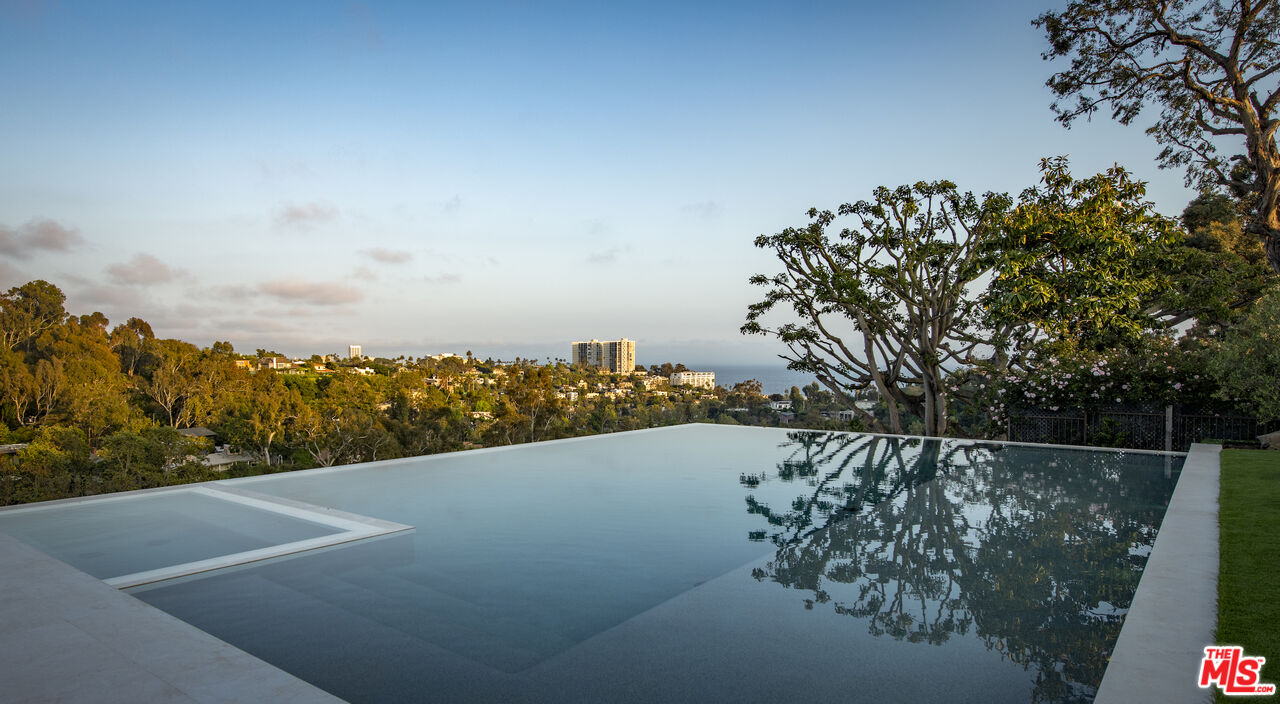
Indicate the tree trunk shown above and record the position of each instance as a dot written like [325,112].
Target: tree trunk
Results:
[1265,220]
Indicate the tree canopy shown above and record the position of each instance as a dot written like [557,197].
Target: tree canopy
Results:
[884,303]
[1212,67]
[1078,259]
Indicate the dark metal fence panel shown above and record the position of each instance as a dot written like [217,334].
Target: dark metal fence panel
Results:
[1189,428]
[1046,427]
[1140,431]
[1133,427]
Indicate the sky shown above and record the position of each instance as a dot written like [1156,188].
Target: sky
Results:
[504,178]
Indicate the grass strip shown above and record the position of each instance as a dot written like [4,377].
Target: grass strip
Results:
[1248,579]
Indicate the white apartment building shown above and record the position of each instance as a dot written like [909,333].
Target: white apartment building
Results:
[354,352]
[705,380]
[610,355]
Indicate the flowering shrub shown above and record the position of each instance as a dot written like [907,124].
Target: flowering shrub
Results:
[1159,374]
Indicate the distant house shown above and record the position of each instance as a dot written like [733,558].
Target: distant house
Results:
[786,417]
[209,438]
[198,432]
[780,405]
[846,415]
[244,364]
[274,363]
[365,371]
[652,382]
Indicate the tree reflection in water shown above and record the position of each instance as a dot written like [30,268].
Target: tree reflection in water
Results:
[1036,552]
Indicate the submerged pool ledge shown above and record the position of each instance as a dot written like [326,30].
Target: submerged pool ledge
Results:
[1175,610]
[351,528]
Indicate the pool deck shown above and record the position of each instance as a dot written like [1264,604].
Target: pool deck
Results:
[1175,610]
[68,637]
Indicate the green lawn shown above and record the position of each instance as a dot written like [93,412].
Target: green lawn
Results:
[1249,576]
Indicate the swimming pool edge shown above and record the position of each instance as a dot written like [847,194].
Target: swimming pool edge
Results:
[1174,612]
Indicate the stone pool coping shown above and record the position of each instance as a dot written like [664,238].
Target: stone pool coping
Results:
[68,637]
[1175,610]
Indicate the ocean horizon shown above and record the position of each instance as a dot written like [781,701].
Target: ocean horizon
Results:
[773,378]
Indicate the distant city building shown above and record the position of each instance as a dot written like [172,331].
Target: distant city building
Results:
[610,355]
[354,352]
[705,380]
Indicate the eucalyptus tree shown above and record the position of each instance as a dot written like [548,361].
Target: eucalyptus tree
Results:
[1212,67]
[28,310]
[885,302]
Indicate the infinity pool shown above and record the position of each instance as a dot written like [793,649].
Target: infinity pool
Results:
[701,563]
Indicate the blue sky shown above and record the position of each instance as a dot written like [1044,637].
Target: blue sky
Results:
[508,177]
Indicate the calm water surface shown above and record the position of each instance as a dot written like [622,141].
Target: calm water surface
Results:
[706,563]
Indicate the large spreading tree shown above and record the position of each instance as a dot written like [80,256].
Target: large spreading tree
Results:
[886,302]
[1212,67]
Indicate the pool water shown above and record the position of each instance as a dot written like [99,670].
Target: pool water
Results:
[705,563]
[708,563]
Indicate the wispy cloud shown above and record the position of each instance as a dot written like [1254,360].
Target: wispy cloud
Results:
[598,227]
[122,297]
[702,209]
[39,234]
[233,292]
[607,256]
[365,273]
[305,216]
[317,293]
[245,326]
[387,256]
[143,270]
[9,275]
